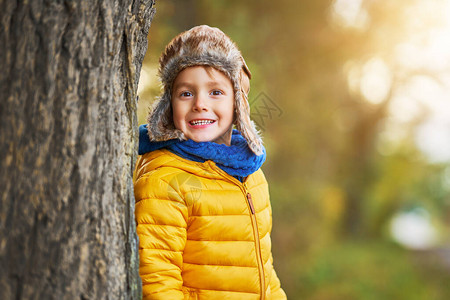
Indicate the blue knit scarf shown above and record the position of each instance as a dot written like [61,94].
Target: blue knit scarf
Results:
[237,159]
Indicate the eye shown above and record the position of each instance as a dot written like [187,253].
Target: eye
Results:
[216,93]
[186,94]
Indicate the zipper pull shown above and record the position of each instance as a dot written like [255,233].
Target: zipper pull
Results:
[250,203]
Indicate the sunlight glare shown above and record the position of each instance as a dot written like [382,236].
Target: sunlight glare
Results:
[422,97]
[433,138]
[425,98]
[376,80]
[350,13]
[414,229]
[404,108]
[438,50]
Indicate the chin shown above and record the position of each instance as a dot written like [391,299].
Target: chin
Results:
[199,139]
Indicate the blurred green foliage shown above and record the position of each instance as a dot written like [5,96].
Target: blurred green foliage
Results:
[367,270]
[333,191]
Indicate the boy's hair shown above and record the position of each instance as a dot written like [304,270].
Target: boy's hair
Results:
[202,46]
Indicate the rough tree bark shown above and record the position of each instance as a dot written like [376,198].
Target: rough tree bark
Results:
[68,81]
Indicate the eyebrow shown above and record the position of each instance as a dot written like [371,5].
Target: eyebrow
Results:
[181,84]
[191,85]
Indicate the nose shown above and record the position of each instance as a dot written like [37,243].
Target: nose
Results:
[200,104]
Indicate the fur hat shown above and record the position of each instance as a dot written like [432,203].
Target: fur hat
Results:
[202,46]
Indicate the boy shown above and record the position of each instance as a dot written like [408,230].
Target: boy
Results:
[202,203]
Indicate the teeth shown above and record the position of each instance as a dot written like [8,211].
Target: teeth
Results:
[201,122]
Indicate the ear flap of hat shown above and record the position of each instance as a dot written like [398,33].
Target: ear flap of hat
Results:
[243,122]
[246,70]
[160,120]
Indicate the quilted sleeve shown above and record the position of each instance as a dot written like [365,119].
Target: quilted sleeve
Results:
[161,217]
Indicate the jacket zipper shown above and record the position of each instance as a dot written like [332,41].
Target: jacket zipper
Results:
[262,279]
[250,203]
[248,196]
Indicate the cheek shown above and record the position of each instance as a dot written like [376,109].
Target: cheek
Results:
[229,112]
[231,115]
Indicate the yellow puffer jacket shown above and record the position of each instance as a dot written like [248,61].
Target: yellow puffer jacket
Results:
[202,233]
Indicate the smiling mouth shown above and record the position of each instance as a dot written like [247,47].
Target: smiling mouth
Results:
[201,122]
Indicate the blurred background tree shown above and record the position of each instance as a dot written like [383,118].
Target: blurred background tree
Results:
[353,98]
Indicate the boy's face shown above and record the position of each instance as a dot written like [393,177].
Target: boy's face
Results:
[203,105]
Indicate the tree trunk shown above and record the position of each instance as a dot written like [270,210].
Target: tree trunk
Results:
[68,81]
